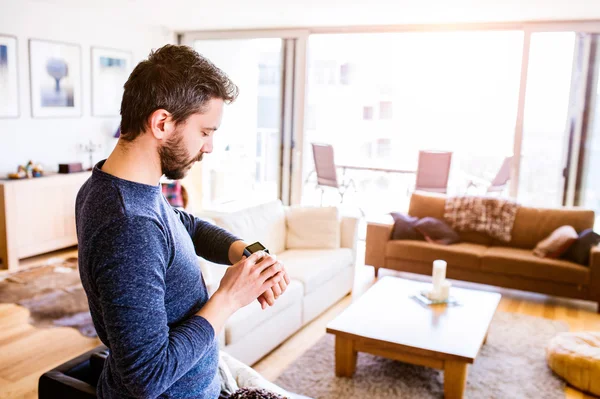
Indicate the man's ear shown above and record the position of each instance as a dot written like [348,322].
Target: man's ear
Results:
[161,124]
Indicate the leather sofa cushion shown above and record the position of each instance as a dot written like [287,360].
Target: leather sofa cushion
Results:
[313,267]
[432,205]
[531,226]
[523,263]
[264,223]
[312,227]
[251,316]
[462,255]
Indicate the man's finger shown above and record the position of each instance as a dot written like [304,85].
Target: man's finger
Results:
[265,263]
[286,278]
[254,258]
[269,297]
[272,270]
[277,290]
[282,286]
[262,301]
[271,281]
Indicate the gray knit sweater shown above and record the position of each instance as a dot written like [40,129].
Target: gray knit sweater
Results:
[139,267]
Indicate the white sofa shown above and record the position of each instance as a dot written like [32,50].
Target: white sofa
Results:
[319,276]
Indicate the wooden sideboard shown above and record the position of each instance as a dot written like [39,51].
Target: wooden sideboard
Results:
[37,216]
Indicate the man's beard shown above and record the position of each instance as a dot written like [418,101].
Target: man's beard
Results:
[175,161]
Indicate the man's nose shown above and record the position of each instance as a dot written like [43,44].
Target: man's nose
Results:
[207,147]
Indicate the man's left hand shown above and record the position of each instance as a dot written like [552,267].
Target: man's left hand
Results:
[268,297]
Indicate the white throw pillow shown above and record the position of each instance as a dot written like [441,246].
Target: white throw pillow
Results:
[313,228]
[264,223]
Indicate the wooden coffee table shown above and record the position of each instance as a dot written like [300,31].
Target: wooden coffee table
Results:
[387,322]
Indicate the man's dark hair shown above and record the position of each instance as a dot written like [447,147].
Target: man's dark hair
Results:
[174,78]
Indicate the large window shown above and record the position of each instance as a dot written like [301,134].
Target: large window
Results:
[245,164]
[525,97]
[381,98]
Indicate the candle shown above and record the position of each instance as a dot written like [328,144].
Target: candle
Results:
[439,275]
[445,290]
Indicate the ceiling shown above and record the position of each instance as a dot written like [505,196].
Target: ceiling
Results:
[181,15]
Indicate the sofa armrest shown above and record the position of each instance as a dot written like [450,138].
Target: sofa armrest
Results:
[349,233]
[378,235]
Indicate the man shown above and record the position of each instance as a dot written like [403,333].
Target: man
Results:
[137,254]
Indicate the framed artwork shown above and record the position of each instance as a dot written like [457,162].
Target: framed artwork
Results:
[55,70]
[110,71]
[9,77]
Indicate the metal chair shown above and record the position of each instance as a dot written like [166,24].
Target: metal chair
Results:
[499,182]
[433,171]
[327,172]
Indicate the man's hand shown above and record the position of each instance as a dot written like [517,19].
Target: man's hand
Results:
[243,283]
[250,277]
[268,297]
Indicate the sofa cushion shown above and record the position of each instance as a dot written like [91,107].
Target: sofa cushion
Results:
[404,227]
[532,225]
[556,243]
[437,231]
[579,252]
[314,267]
[433,205]
[312,227]
[264,223]
[522,262]
[251,316]
[463,255]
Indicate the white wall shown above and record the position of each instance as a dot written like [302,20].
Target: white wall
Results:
[51,141]
[182,15]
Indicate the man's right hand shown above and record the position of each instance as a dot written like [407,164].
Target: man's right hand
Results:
[243,283]
[249,278]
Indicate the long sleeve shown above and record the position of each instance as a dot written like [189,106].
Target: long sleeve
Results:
[129,264]
[211,242]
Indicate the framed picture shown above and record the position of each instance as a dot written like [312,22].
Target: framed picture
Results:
[110,70]
[55,70]
[9,77]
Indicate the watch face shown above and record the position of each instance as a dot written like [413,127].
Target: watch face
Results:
[257,246]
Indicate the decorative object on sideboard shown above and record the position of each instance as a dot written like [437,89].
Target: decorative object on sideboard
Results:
[70,167]
[27,171]
[90,148]
[110,70]
[9,86]
[55,70]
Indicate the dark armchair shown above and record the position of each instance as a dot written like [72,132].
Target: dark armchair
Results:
[74,379]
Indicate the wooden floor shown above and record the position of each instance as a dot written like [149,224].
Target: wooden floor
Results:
[26,352]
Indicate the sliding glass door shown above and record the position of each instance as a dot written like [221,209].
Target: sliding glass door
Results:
[551,87]
[588,183]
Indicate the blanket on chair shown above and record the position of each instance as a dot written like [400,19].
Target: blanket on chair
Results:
[492,216]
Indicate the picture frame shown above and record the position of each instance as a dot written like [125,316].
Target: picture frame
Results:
[9,77]
[110,71]
[55,79]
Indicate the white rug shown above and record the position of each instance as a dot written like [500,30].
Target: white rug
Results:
[510,365]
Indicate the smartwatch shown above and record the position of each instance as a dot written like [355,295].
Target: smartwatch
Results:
[252,248]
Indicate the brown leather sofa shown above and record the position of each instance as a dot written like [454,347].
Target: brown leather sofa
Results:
[481,259]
